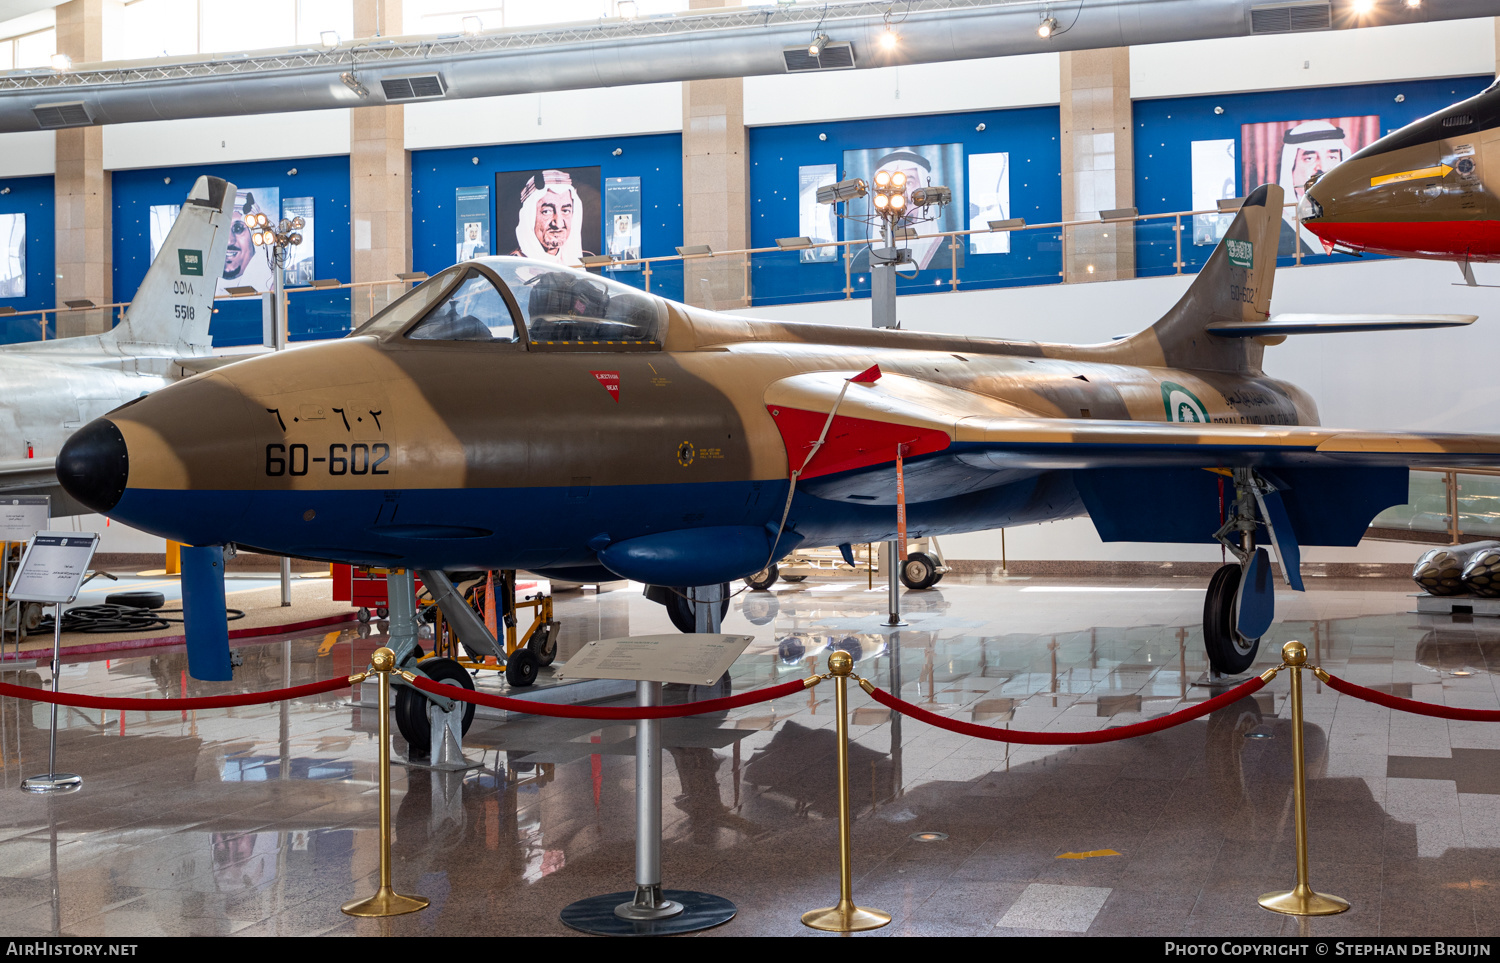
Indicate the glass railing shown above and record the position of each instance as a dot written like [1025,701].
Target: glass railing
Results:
[1446,507]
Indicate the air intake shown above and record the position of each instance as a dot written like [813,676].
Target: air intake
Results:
[834,56]
[1458,120]
[1286,17]
[413,87]
[54,116]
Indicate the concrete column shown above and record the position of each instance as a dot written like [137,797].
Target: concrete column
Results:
[379,179]
[715,185]
[82,187]
[1098,164]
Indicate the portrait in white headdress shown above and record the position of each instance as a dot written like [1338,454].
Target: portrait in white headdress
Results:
[1310,149]
[549,226]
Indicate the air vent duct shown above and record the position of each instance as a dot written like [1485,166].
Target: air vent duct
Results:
[54,116]
[413,87]
[834,56]
[1286,17]
[1458,120]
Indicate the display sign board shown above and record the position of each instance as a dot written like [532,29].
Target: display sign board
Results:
[53,567]
[690,659]
[22,516]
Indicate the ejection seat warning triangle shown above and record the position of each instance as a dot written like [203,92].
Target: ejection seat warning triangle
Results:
[611,382]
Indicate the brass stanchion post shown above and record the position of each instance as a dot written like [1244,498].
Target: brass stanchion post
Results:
[845,917]
[386,901]
[1300,901]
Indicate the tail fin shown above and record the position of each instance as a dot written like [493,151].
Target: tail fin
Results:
[174,303]
[1234,286]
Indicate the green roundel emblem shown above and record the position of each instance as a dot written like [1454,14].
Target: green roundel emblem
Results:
[1182,404]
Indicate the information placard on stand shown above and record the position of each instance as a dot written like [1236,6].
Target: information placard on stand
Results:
[53,567]
[22,516]
[52,570]
[649,660]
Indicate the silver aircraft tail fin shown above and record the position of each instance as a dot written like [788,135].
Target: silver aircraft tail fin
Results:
[173,305]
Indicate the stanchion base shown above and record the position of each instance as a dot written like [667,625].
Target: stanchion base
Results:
[386,902]
[845,918]
[1303,902]
[1212,680]
[53,783]
[700,911]
[894,625]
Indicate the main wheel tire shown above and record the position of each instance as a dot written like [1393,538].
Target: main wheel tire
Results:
[1228,652]
[521,667]
[793,578]
[680,610]
[411,706]
[543,643]
[136,600]
[919,571]
[763,579]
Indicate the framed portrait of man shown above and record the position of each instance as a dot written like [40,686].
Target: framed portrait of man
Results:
[1293,152]
[554,214]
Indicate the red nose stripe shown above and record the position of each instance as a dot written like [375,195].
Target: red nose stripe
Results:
[1477,240]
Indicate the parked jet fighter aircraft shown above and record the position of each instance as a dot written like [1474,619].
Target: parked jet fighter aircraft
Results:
[513,414]
[48,389]
[1426,190]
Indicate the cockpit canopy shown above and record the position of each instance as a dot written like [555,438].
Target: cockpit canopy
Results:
[513,300]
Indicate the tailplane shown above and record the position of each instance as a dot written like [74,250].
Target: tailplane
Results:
[1234,287]
[171,310]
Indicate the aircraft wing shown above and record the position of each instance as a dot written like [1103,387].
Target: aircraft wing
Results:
[1140,481]
[38,476]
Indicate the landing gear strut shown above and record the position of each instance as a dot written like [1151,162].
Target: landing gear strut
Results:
[1236,609]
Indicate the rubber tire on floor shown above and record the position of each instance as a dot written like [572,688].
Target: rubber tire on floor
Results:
[793,578]
[411,705]
[543,643]
[363,614]
[1228,654]
[763,579]
[136,600]
[521,667]
[681,613]
[919,571]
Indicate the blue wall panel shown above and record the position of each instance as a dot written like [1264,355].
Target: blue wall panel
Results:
[655,158]
[34,197]
[238,322]
[1165,130]
[1028,134]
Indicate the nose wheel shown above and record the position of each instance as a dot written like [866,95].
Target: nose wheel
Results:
[1229,653]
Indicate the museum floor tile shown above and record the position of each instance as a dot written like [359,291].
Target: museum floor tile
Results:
[262,821]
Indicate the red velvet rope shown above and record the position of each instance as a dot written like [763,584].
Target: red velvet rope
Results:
[1410,705]
[199,702]
[1069,738]
[598,712]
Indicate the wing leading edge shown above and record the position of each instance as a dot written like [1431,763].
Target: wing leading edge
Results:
[1141,481]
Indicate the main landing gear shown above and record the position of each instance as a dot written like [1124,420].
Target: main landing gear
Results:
[1240,604]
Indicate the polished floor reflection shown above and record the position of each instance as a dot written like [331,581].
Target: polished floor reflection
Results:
[261,821]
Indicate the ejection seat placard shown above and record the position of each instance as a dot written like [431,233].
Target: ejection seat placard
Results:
[22,516]
[689,659]
[53,567]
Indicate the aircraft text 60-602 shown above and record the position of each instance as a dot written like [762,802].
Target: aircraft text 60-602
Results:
[341,459]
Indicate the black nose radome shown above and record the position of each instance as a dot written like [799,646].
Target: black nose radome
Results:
[93,465]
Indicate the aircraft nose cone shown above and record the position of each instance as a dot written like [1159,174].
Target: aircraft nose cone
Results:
[94,465]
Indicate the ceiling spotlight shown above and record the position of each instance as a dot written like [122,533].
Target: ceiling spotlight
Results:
[881,200]
[842,191]
[617,151]
[352,82]
[1363,7]
[330,38]
[882,178]
[889,38]
[898,180]
[817,45]
[292,172]
[472,26]
[1413,3]
[628,9]
[1046,28]
[61,62]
